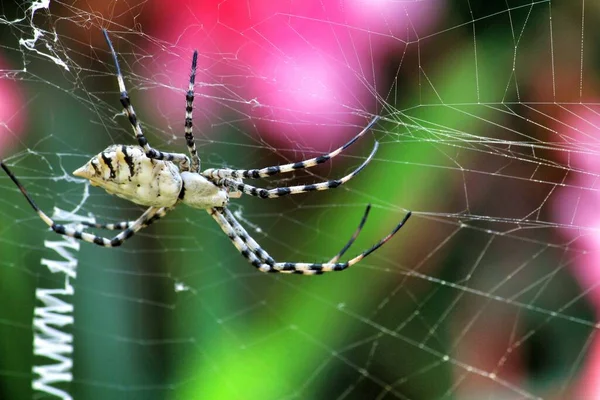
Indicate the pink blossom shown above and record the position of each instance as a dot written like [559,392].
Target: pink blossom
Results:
[301,71]
[12,113]
[576,205]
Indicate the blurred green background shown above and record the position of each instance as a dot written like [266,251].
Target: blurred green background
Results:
[474,298]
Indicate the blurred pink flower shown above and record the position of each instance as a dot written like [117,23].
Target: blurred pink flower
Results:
[303,70]
[576,205]
[12,112]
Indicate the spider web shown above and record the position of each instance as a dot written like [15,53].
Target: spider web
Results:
[488,135]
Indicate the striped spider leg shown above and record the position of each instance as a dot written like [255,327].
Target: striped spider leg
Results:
[119,226]
[355,235]
[233,178]
[189,101]
[283,191]
[262,254]
[277,169]
[182,159]
[262,261]
[151,215]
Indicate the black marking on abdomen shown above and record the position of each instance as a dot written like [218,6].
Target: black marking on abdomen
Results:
[108,161]
[97,170]
[128,160]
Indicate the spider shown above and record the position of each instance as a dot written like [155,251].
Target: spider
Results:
[161,180]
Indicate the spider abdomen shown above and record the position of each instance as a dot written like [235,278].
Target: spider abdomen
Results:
[125,171]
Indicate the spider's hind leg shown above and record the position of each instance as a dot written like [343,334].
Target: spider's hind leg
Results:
[337,257]
[262,261]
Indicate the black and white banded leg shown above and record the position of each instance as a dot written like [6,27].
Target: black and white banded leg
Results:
[119,226]
[182,159]
[266,258]
[336,258]
[189,102]
[262,261]
[270,171]
[144,220]
[241,232]
[283,191]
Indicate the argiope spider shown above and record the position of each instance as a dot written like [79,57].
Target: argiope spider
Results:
[149,177]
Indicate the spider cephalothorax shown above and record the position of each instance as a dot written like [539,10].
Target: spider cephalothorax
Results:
[160,180]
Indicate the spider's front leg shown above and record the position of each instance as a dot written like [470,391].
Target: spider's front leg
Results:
[189,108]
[149,216]
[182,159]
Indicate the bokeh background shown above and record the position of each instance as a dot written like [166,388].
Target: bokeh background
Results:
[489,134]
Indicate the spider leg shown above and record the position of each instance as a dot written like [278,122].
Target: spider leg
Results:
[138,224]
[270,171]
[266,258]
[238,242]
[336,258]
[118,226]
[135,124]
[189,100]
[253,246]
[283,191]
[265,263]
[127,224]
